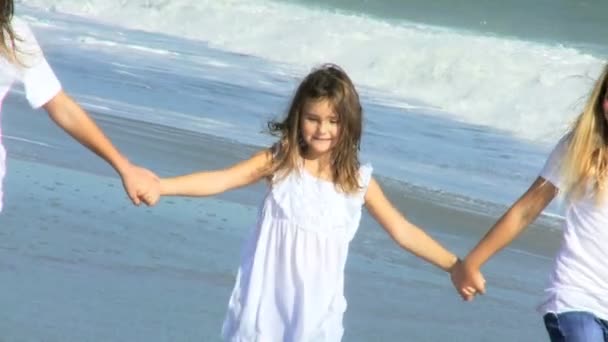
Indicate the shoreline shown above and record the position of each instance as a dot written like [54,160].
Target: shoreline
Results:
[74,246]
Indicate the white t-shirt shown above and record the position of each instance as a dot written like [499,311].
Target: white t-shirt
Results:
[579,279]
[39,81]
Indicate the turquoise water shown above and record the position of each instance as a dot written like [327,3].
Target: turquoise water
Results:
[569,22]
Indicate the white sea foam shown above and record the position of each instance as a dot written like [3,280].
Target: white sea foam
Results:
[528,89]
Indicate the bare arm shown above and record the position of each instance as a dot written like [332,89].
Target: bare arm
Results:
[523,212]
[215,182]
[68,115]
[139,183]
[406,234]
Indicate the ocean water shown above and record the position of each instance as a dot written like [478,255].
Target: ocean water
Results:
[575,23]
[462,104]
[487,107]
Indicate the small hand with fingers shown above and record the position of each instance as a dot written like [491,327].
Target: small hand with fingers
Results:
[141,185]
[467,280]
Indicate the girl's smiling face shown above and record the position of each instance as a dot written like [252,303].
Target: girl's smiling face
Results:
[320,127]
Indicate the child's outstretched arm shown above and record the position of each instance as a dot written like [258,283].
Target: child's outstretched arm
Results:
[140,184]
[406,234]
[208,183]
[523,212]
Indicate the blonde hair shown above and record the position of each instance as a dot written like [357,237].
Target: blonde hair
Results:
[585,161]
[7,34]
[328,82]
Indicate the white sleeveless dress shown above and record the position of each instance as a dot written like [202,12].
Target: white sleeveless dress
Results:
[290,284]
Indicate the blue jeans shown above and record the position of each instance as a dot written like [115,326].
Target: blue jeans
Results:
[576,326]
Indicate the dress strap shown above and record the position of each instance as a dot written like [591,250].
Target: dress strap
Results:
[365,175]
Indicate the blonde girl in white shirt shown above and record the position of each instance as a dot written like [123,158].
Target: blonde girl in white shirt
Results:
[575,306]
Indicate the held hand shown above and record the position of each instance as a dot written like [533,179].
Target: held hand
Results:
[468,281]
[141,185]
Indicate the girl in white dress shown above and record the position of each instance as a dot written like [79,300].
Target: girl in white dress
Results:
[290,284]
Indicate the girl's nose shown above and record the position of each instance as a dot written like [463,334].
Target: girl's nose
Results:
[323,126]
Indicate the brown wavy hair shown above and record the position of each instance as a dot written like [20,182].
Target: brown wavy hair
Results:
[586,159]
[7,34]
[327,82]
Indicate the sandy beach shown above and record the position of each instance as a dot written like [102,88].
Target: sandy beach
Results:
[80,263]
